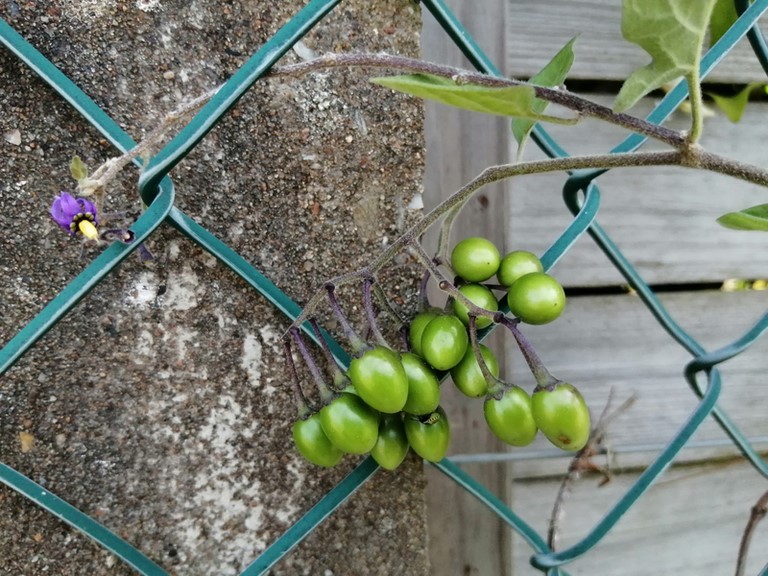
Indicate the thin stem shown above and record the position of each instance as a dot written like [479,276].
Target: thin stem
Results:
[444,239]
[94,184]
[543,378]
[322,295]
[143,253]
[448,307]
[562,97]
[521,150]
[386,304]
[495,385]
[697,104]
[423,291]
[357,343]
[694,157]
[340,379]
[326,394]
[370,314]
[301,401]
[446,285]
[405,341]
[759,511]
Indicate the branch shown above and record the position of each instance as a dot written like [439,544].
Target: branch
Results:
[489,176]
[553,95]
[504,171]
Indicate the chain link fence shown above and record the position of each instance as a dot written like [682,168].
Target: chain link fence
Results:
[581,194]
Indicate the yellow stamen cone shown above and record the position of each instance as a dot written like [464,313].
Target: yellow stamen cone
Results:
[88,230]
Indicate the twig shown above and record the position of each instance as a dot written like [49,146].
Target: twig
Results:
[494,384]
[759,511]
[674,138]
[444,238]
[583,462]
[539,370]
[95,183]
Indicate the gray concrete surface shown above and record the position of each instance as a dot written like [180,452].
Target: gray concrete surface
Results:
[160,405]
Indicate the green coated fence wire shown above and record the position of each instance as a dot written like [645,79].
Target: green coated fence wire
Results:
[80,521]
[581,195]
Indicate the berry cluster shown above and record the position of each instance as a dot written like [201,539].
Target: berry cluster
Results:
[448,341]
[388,401]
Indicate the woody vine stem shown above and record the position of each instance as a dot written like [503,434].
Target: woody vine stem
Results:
[686,153]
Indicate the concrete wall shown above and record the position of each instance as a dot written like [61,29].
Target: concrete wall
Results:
[161,405]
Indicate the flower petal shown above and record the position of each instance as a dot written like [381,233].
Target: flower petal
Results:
[67,211]
[61,210]
[69,204]
[86,206]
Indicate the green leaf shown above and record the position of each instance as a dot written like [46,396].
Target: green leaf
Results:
[754,218]
[672,32]
[553,74]
[78,169]
[734,106]
[504,101]
[723,16]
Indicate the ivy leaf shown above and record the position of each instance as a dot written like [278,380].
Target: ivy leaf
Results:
[754,218]
[78,169]
[503,101]
[672,32]
[553,74]
[734,106]
[723,16]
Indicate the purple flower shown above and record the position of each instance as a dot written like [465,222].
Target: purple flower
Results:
[75,215]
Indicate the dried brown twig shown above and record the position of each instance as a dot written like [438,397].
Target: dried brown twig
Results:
[759,511]
[583,462]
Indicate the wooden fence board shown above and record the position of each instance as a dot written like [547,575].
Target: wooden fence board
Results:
[463,537]
[662,218]
[689,522]
[537,29]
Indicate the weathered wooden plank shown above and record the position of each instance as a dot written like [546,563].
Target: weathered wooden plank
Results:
[463,538]
[600,342]
[612,342]
[662,218]
[689,522]
[537,29]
